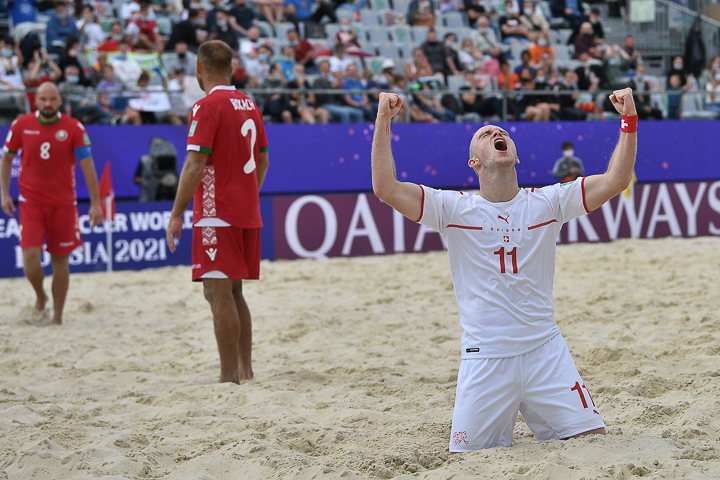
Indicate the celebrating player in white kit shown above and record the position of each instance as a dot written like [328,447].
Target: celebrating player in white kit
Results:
[501,246]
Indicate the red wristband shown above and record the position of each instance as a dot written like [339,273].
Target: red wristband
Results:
[629,124]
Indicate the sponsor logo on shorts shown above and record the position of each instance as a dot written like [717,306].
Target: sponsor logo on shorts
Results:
[61,135]
[67,244]
[196,266]
[472,350]
[459,437]
[211,253]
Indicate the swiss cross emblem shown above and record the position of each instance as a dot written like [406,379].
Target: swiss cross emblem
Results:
[623,124]
[460,437]
[506,239]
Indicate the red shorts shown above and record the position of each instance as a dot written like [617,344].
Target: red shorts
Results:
[231,250]
[60,225]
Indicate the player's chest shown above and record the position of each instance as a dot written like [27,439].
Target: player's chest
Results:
[44,143]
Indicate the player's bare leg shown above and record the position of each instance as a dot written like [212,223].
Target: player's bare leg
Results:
[219,294]
[245,340]
[597,431]
[60,284]
[35,274]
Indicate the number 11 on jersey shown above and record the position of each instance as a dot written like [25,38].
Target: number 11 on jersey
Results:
[512,254]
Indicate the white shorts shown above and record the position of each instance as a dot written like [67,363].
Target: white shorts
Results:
[543,385]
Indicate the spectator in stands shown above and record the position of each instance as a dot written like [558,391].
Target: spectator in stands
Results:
[274,104]
[507,80]
[128,10]
[541,46]
[417,66]
[678,67]
[112,100]
[347,36]
[641,87]
[473,101]
[590,73]
[143,31]
[356,96]
[536,108]
[112,40]
[242,18]
[631,57]
[339,62]
[333,103]
[534,21]
[451,45]
[585,43]
[469,57]
[567,97]
[426,97]
[305,108]
[70,56]
[258,65]
[183,59]
[179,107]
[712,99]
[302,10]
[305,52]
[94,74]
[81,101]
[567,9]
[713,66]
[524,62]
[24,17]
[612,68]
[59,27]
[210,14]
[238,74]
[10,75]
[675,94]
[421,12]
[438,55]
[252,42]
[568,167]
[451,6]
[511,28]
[474,9]
[287,61]
[486,41]
[547,63]
[91,33]
[186,32]
[223,32]
[37,74]
[272,10]
[127,70]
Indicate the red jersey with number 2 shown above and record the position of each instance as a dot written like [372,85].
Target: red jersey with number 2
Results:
[228,125]
[47,160]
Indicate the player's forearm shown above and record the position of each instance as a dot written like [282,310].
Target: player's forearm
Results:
[5,172]
[384,178]
[88,168]
[262,167]
[622,162]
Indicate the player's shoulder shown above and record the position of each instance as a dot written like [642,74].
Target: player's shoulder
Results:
[22,120]
[66,121]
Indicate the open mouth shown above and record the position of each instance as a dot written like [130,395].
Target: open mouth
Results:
[500,145]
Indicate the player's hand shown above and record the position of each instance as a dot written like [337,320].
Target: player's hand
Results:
[8,205]
[96,215]
[173,231]
[623,102]
[389,105]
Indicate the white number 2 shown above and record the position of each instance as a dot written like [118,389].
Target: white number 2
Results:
[45,150]
[250,125]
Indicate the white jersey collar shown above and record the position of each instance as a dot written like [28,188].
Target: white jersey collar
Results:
[222,87]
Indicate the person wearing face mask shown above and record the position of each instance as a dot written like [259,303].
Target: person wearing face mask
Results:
[541,46]
[223,32]
[185,31]
[59,27]
[678,68]
[257,64]
[91,33]
[534,21]
[712,99]
[183,59]
[438,55]
[80,101]
[127,69]
[10,76]
[305,52]
[511,28]
[485,40]
[568,167]
[143,30]
[642,87]
[287,62]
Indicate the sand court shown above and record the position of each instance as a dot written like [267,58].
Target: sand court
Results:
[355,366]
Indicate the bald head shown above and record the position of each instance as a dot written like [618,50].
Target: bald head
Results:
[48,101]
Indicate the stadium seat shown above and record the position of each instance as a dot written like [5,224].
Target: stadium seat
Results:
[377,35]
[164,26]
[369,19]
[281,29]
[453,20]
[692,107]
[419,33]
[375,64]
[388,50]
[400,6]
[331,29]
[400,34]
[454,82]
[406,50]
[380,4]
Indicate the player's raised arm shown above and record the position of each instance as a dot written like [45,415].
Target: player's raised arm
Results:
[601,188]
[404,197]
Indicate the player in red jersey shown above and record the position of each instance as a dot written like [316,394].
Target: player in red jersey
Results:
[224,170]
[51,144]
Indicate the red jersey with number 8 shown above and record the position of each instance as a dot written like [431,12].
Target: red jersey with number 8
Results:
[47,159]
[228,125]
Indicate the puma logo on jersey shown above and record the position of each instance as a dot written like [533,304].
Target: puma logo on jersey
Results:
[195,109]
[505,218]
[242,104]
[211,253]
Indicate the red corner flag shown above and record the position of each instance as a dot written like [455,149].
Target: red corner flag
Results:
[107,195]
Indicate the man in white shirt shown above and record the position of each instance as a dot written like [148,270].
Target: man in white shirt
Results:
[340,61]
[127,70]
[501,246]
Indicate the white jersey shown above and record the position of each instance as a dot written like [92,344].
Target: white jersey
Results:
[502,262]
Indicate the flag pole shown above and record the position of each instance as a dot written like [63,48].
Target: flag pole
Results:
[108,232]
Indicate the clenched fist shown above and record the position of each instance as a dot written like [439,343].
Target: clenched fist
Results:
[389,105]
[623,102]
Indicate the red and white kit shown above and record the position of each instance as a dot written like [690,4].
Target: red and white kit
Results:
[47,180]
[502,262]
[226,206]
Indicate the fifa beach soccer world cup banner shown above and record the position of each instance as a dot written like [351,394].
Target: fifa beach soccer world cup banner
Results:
[319,226]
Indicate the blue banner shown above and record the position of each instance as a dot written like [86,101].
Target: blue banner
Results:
[336,158]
